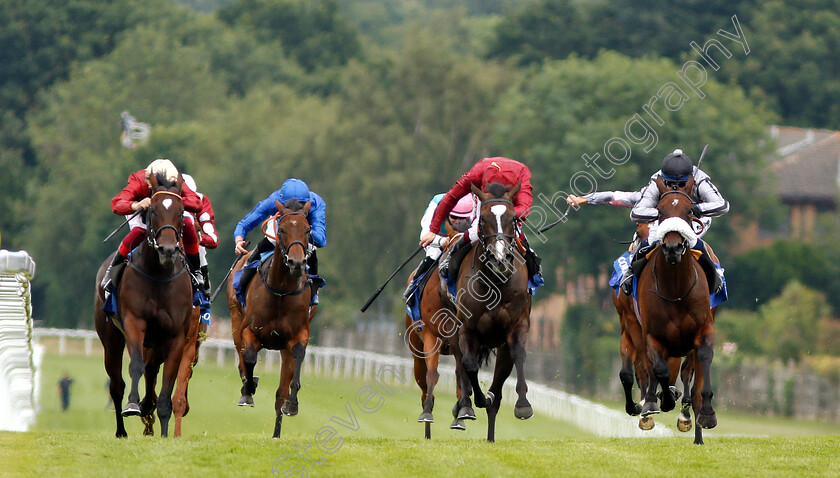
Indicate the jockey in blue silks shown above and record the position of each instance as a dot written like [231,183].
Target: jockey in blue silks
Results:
[317,217]
[677,167]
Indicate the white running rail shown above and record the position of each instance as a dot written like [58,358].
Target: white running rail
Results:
[19,377]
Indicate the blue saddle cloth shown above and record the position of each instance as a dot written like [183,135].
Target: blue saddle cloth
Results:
[623,262]
[317,280]
[412,307]
[534,282]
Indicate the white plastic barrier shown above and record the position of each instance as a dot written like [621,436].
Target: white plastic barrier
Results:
[364,366]
[19,378]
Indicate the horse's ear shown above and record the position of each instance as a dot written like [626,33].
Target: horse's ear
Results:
[153,182]
[306,207]
[513,191]
[689,185]
[478,192]
[660,183]
[280,207]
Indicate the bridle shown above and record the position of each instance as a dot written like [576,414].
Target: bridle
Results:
[286,248]
[152,237]
[482,236]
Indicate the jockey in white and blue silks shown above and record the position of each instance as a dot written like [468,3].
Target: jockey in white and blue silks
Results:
[677,167]
[464,210]
[317,217]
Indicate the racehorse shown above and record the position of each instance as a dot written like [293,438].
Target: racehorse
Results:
[674,307]
[634,357]
[430,337]
[493,305]
[154,306]
[276,315]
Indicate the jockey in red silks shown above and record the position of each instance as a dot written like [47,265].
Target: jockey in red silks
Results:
[504,171]
[136,196]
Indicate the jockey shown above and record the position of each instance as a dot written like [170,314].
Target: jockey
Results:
[675,172]
[208,238]
[504,171]
[463,210]
[136,196]
[317,217]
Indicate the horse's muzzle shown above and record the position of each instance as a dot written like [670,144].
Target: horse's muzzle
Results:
[166,255]
[674,252]
[296,266]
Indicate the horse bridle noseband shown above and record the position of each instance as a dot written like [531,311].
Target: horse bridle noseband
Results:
[151,238]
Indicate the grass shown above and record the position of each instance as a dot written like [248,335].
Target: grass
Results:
[223,439]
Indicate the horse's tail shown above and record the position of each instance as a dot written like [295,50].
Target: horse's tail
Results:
[484,356]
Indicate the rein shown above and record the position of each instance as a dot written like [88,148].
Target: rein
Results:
[655,289]
[278,292]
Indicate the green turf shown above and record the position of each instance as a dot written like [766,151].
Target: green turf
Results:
[221,439]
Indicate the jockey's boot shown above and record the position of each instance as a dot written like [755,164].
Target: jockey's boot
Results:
[248,272]
[715,282]
[206,286]
[451,262]
[637,262]
[195,269]
[424,266]
[112,271]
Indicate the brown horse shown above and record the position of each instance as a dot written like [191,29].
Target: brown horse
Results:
[493,305]
[277,313]
[155,303]
[674,308]
[430,337]
[634,357]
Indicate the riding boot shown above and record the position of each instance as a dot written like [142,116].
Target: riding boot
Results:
[248,272]
[452,261]
[112,271]
[424,266]
[195,269]
[206,286]
[637,262]
[715,282]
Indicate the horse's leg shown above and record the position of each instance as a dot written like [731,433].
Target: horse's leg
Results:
[250,347]
[707,417]
[626,375]
[686,373]
[147,405]
[464,410]
[114,345]
[504,365]
[185,370]
[175,347]
[135,331]
[290,408]
[659,374]
[236,326]
[522,409]
[431,354]
[469,360]
[287,373]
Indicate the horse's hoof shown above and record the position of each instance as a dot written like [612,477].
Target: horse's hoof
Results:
[466,413]
[122,434]
[677,393]
[523,413]
[289,409]
[426,417]
[131,410]
[246,401]
[707,421]
[458,424]
[489,399]
[650,408]
[683,424]
[646,423]
[634,410]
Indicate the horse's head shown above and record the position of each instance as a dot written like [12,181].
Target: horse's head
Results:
[293,229]
[674,230]
[165,218]
[496,226]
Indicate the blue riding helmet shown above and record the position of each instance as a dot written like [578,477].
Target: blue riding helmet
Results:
[294,189]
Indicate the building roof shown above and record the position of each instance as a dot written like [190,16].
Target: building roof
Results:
[806,164]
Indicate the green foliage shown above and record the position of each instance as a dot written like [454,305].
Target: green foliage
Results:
[311,31]
[589,345]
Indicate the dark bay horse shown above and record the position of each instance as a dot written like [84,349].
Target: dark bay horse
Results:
[277,314]
[431,337]
[493,305]
[634,357]
[155,303]
[674,308]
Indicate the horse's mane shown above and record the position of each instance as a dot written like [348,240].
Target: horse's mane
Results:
[165,184]
[497,189]
[294,205]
